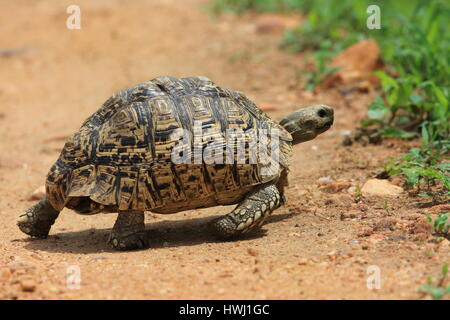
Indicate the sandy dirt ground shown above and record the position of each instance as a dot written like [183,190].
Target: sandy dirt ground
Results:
[321,245]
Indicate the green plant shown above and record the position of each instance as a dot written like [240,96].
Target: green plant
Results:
[321,57]
[425,167]
[387,208]
[417,91]
[358,195]
[415,86]
[239,6]
[436,291]
[414,45]
[339,22]
[441,225]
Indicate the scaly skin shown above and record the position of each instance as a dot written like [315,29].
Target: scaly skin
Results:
[250,213]
[128,232]
[37,220]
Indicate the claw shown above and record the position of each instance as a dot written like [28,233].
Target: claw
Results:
[37,220]
[128,242]
[23,218]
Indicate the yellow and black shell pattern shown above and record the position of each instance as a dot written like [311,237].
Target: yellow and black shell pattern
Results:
[122,155]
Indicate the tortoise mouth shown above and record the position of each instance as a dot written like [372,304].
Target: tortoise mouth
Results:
[327,125]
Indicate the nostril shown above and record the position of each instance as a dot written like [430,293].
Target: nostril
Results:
[322,113]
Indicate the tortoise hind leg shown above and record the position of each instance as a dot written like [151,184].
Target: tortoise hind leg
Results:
[129,231]
[250,213]
[38,219]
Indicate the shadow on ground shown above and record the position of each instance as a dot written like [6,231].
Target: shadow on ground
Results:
[164,234]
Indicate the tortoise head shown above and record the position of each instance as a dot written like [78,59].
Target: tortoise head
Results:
[307,123]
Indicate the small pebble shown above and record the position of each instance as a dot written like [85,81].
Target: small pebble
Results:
[322,180]
[27,285]
[37,194]
[332,255]
[303,262]
[252,252]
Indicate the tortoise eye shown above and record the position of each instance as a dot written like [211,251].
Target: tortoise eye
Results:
[322,113]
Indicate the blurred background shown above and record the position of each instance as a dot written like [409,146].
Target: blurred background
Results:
[383,66]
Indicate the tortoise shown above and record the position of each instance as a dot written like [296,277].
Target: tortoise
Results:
[134,154]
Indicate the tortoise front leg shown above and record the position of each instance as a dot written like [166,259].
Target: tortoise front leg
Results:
[250,213]
[37,220]
[129,231]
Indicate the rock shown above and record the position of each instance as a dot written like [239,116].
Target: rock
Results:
[27,285]
[362,56]
[380,188]
[303,262]
[332,255]
[252,252]
[38,194]
[324,180]
[357,64]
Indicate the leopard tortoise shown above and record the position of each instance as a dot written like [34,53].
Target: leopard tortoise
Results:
[122,159]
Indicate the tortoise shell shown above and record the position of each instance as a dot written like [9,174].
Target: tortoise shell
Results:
[121,157]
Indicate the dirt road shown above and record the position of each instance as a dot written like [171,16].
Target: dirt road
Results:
[319,246]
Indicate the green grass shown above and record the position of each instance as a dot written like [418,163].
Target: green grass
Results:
[239,6]
[427,168]
[436,288]
[441,225]
[415,83]
[340,22]
[321,57]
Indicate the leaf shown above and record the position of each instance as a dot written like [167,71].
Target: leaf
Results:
[412,175]
[377,109]
[436,293]
[433,31]
[386,81]
[366,123]
[440,96]
[416,99]
[425,137]
[391,87]
[391,132]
